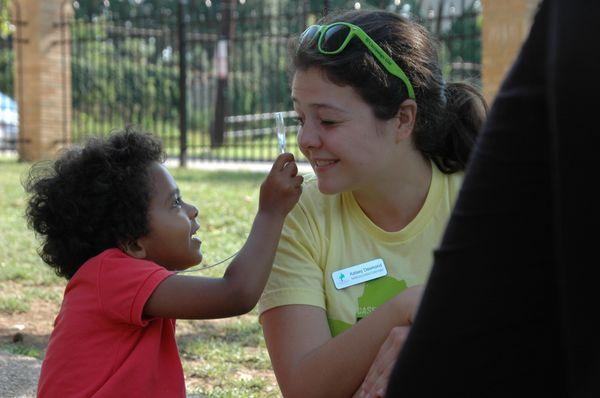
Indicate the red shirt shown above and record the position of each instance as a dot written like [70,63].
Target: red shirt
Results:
[101,346]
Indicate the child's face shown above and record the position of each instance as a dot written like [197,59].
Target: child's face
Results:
[172,223]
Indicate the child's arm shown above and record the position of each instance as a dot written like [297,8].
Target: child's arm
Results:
[189,297]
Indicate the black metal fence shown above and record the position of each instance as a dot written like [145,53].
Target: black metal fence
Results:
[208,75]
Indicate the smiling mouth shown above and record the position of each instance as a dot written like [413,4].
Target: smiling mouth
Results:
[195,237]
[324,163]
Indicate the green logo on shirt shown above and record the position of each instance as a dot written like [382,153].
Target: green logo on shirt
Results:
[377,292]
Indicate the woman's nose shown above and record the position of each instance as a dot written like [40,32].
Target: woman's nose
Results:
[308,138]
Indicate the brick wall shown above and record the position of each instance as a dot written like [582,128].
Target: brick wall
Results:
[45,106]
[506,24]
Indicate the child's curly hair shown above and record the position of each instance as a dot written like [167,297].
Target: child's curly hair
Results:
[92,198]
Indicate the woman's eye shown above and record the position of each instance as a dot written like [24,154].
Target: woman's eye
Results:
[300,121]
[328,122]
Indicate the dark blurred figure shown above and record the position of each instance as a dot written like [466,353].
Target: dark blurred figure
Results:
[510,304]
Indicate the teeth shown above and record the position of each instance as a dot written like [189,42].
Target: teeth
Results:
[321,163]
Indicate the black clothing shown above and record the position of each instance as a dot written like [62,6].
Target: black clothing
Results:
[510,304]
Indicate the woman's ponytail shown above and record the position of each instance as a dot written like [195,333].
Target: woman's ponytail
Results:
[464,115]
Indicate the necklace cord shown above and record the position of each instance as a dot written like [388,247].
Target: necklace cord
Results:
[201,268]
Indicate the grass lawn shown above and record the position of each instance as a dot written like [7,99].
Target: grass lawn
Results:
[221,358]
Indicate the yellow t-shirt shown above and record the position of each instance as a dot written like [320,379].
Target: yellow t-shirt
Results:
[327,233]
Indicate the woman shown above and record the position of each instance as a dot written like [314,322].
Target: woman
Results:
[387,139]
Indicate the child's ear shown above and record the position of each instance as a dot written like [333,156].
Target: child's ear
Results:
[134,249]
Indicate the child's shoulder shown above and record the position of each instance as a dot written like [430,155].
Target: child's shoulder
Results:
[113,260]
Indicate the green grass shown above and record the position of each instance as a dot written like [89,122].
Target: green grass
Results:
[221,358]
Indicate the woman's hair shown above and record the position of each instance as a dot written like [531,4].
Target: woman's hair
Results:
[449,115]
[92,198]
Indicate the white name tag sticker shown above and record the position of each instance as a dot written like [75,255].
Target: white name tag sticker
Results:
[359,273]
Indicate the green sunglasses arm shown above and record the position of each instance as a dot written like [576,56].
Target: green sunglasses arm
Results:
[387,61]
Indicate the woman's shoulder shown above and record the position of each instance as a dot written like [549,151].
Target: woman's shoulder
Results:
[449,186]
[455,181]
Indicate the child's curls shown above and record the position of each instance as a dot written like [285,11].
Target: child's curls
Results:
[92,198]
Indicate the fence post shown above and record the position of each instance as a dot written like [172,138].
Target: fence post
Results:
[43,78]
[227,29]
[506,24]
[181,22]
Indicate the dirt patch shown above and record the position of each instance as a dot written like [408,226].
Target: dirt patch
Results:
[29,333]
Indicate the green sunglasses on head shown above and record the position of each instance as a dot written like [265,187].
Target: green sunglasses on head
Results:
[335,37]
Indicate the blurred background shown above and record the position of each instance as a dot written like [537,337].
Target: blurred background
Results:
[205,75]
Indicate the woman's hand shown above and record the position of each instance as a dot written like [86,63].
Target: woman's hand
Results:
[375,383]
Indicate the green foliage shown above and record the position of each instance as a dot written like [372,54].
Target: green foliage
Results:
[4,18]
[13,305]
[23,349]
[6,51]
[464,38]
[6,67]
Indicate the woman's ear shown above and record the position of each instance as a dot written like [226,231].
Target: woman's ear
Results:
[405,119]
[134,248]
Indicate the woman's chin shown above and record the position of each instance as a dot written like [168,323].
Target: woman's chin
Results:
[327,188]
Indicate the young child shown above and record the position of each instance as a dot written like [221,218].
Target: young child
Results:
[115,225]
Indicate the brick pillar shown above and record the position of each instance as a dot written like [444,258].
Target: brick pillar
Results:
[506,24]
[43,77]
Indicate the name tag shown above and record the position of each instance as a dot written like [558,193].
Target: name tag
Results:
[359,273]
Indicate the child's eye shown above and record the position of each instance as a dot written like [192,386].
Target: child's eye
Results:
[178,202]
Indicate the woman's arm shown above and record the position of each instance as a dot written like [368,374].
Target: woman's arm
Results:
[308,362]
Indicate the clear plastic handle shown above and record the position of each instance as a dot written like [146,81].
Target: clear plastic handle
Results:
[280,128]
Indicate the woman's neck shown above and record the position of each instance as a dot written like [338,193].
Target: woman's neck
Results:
[393,202]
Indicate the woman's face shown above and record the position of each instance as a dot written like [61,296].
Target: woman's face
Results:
[348,148]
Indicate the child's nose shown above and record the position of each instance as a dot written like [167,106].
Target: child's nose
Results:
[193,211]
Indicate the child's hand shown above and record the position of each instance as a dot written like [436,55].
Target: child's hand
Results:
[281,189]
